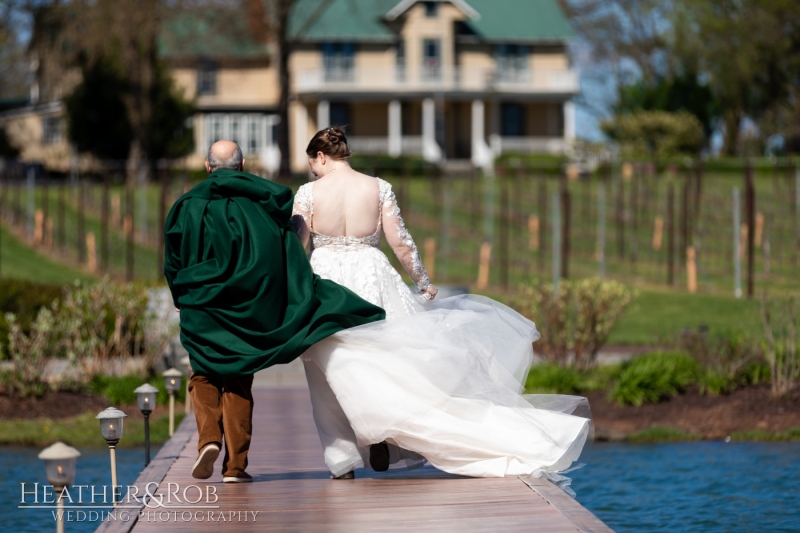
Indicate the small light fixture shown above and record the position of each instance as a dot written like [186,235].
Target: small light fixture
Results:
[59,464]
[146,399]
[172,380]
[111,428]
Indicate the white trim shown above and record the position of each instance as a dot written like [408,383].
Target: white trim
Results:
[405,5]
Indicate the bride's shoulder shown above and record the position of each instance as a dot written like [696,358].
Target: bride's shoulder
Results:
[385,187]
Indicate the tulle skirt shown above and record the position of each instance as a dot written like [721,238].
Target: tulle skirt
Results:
[443,386]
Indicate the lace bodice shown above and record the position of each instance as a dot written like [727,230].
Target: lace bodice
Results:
[389,220]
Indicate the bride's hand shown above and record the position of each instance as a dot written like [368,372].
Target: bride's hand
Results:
[430,292]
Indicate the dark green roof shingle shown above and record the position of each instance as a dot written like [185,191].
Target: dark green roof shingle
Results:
[364,20]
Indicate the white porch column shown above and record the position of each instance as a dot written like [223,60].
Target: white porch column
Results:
[482,156]
[323,114]
[495,141]
[395,128]
[569,121]
[301,137]
[430,148]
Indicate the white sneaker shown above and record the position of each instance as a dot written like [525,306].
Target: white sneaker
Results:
[244,478]
[204,466]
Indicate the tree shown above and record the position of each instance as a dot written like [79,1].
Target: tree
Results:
[676,93]
[749,50]
[656,134]
[117,38]
[98,120]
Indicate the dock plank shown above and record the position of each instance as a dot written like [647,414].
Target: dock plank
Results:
[292,490]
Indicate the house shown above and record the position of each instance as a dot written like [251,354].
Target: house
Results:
[441,79]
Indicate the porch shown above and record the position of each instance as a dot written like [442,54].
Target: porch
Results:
[440,128]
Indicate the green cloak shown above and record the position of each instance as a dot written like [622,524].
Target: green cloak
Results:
[240,276]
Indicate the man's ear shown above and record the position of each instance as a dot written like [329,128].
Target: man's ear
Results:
[208,167]
[241,167]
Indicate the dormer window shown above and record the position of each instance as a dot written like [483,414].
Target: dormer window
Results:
[206,78]
[431,9]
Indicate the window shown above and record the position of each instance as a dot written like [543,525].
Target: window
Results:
[254,136]
[338,60]
[400,60]
[252,132]
[431,9]
[206,78]
[236,130]
[512,62]
[340,114]
[513,120]
[51,130]
[431,59]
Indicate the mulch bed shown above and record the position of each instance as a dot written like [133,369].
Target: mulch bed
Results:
[62,405]
[709,417]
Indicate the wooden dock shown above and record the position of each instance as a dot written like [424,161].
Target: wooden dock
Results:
[292,490]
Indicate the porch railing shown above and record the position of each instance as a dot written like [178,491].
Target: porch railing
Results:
[473,79]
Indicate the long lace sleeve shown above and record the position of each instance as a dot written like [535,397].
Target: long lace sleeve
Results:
[302,210]
[399,239]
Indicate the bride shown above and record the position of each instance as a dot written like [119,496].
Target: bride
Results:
[437,381]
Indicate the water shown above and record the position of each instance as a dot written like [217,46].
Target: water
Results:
[687,487]
[21,464]
[692,487]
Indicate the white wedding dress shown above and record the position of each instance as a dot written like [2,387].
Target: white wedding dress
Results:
[439,381]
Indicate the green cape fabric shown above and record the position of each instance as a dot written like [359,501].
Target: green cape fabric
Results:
[240,276]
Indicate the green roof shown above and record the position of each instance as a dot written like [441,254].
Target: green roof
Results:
[341,20]
[364,20]
[210,33]
[515,20]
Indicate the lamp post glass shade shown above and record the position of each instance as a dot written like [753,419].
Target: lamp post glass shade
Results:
[59,464]
[172,380]
[146,397]
[111,424]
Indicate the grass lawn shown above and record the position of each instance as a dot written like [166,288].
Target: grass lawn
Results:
[659,315]
[17,260]
[656,316]
[81,430]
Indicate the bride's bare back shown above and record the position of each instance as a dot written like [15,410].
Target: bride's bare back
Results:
[346,204]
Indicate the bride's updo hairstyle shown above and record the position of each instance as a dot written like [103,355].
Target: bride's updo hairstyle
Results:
[331,142]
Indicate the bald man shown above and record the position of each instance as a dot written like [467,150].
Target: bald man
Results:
[248,299]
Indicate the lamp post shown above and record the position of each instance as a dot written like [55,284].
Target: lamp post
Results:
[146,399]
[111,428]
[172,380]
[187,369]
[59,464]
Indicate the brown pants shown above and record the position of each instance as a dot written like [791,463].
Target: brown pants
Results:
[224,406]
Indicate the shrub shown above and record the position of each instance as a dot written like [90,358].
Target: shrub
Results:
[549,378]
[575,319]
[88,327]
[29,354]
[781,320]
[654,377]
[728,359]
[24,299]
[119,389]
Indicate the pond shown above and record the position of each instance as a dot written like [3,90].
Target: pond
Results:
[21,464]
[692,487]
[685,487]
